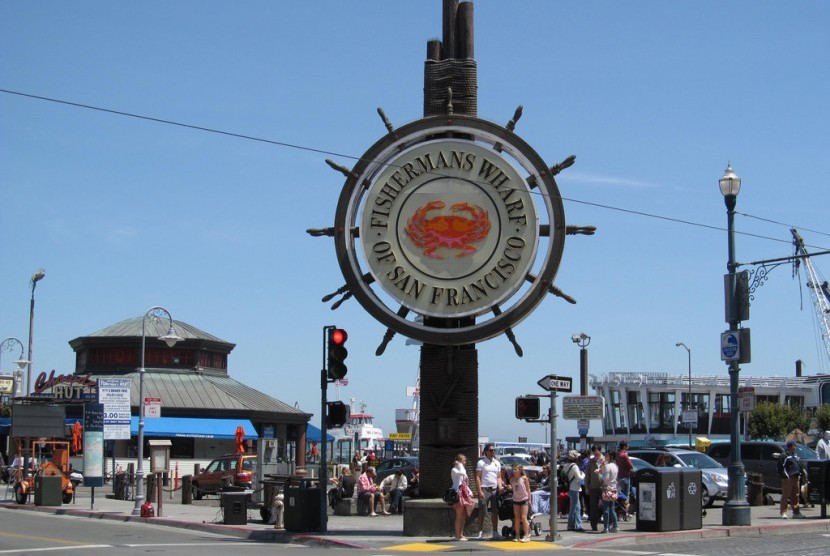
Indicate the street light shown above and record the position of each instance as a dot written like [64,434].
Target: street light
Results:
[157,313]
[689,400]
[8,344]
[582,340]
[38,275]
[735,509]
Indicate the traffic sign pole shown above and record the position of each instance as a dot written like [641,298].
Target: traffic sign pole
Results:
[554,476]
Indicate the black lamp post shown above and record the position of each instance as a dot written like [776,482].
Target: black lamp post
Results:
[736,508]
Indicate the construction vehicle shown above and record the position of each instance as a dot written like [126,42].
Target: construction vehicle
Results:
[47,458]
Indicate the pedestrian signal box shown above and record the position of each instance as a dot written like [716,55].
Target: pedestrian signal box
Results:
[527,408]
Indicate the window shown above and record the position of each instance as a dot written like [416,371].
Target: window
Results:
[661,411]
[636,419]
[720,451]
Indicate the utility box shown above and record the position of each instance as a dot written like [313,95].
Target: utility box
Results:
[669,499]
[48,490]
[235,508]
[302,508]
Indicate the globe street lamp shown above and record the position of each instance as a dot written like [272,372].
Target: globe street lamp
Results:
[156,313]
[8,344]
[38,275]
[735,509]
[689,400]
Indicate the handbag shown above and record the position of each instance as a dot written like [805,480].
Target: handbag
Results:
[450,496]
[609,495]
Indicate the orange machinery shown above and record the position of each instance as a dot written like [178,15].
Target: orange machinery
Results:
[47,458]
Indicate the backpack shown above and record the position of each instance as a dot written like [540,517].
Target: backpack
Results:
[782,466]
[563,473]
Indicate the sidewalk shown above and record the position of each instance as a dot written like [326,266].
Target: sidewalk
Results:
[387,531]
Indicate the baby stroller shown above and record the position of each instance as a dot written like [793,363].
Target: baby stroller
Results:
[506,513]
[619,505]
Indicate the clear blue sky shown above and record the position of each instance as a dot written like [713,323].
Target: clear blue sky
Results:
[654,98]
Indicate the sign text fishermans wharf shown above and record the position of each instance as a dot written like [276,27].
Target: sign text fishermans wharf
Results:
[449,228]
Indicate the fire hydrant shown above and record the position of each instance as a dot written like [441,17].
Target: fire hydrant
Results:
[277,511]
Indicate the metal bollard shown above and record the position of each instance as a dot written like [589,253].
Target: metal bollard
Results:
[187,490]
[150,488]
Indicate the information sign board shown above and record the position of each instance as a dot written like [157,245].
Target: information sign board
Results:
[583,407]
[114,394]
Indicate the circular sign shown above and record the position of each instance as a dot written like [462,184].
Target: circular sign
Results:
[452,229]
[451,218]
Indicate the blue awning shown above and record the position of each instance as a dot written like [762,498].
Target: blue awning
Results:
[193,427]
[312,433]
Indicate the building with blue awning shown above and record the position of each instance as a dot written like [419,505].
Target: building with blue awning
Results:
[201,406]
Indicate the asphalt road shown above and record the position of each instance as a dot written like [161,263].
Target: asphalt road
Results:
[36,532]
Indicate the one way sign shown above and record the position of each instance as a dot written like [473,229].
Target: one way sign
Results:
[553,383]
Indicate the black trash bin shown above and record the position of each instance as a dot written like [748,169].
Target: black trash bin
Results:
[302,509]
[755,489]
[818,491]
[48,490]
[658,506]
[235,508]
[691,503]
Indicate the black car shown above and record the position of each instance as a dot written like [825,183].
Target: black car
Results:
[407,464]
[760,456]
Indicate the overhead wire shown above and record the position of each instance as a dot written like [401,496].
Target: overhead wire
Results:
[352,157]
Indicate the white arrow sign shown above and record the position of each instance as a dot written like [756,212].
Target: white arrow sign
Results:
[553,383]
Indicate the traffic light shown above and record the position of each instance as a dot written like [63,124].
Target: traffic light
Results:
[337,353]
[527,407]
[338,414]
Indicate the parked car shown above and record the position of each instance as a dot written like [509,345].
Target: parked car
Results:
[533,472]
[502,451]
[760,456]
[230,472]
[407,464]
[714,475]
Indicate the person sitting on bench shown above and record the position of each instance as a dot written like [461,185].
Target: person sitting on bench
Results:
[369,493]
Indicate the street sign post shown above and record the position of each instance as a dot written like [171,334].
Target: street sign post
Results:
[746,398]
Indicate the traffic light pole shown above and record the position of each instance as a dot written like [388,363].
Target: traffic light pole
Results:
[324,480]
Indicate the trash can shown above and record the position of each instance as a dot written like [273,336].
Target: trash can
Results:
[755,489]
[691,503]
[659,499]
[302,507]
[235,508]
[818,473]
[48,490]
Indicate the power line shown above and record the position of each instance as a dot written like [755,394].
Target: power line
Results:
[352,157]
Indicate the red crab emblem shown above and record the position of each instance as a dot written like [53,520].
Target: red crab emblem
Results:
[453,231]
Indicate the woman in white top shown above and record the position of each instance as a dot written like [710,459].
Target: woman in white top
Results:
[464,506]
[608,474]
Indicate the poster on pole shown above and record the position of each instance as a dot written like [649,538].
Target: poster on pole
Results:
[114,395]
[93,445]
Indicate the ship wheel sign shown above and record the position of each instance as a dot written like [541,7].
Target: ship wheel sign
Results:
[450,217]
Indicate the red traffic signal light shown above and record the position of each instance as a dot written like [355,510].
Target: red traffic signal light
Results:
[337,353]
[527,408]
